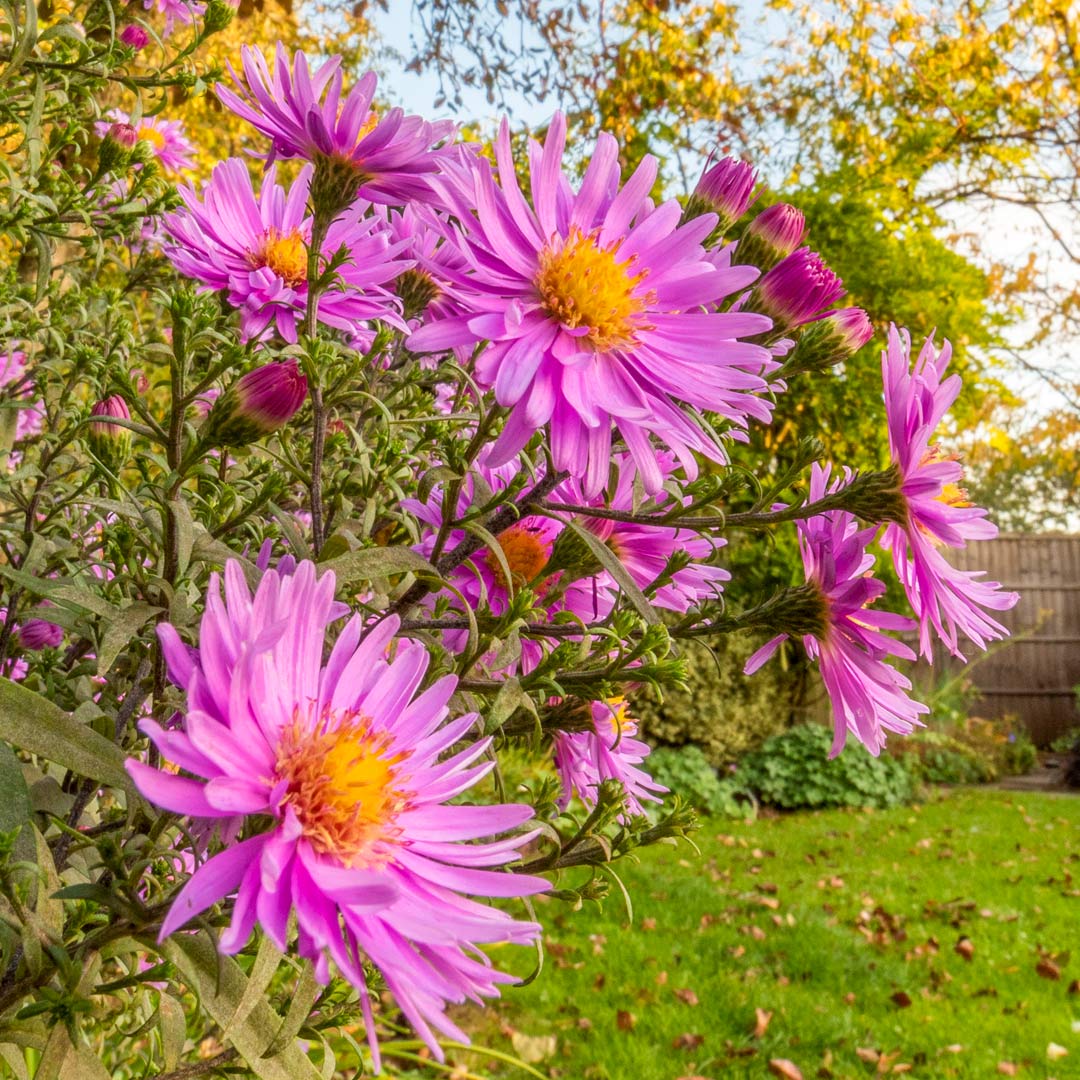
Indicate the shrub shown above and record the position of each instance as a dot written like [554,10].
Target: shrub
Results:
[723,712]
[938,758]
[793,770]
[686,770]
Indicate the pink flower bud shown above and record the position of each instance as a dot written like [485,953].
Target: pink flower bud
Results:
[258,403]
[852,328]
[773,235]
[134,37]
[110,443]
[124,135]
[796,290]
[725,189]
[37,634]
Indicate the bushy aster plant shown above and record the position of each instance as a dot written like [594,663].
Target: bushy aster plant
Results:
[318,498]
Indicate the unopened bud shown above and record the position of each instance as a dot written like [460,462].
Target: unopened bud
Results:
[134,37]
[37,634]
[219,13]
[257,404]
[117,147]
[829,340]
[725,189]
[773,235]
[110,443]
[796,290]
[334,186]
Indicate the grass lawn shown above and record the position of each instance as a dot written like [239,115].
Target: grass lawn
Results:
[930,941]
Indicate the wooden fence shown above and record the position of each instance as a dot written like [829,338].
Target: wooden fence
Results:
[1033,675]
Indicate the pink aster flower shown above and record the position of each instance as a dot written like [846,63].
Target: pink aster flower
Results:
[340,774]
[526,548]
[938,511]
[176,11]
[171,146]
[595,310]
[302,112]
[255,248]
[646,549]
[31,416]
[585,759]
[868,695]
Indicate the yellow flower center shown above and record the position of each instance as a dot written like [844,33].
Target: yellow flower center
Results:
[286,256]
[526,553]
[582,284]
[342,785]
[149,133]
[619,722]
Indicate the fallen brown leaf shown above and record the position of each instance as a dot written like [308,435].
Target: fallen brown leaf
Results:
[965,947]
[1074,986]
[1006,1068]
[532,1049]
[648,924]
[761,1022]
[661,978]
[1048,969]
[687,1041]
[901,999]
[785,1069]
[687,996]
[867,1054]
[624,1020]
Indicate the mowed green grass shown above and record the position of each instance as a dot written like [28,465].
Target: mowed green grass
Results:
[922,941]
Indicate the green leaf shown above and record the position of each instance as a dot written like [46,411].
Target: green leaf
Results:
[172,1026]
[378,562]
[613,565]
[220,985]
[14,796]
[262,973]
[303,997]
[30,722]
[120,632]
[185,533]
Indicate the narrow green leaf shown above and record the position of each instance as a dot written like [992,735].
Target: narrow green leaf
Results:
[378,562]
[303,997]
[185,533]
[262,973]
[220,985]
[612,564]
[120,632]
[172,1026]
[14,796]
[30,722]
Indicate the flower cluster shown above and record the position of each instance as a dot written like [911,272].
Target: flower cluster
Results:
[595,356]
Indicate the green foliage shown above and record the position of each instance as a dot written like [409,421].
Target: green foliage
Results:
[686,770]
[722,711]
[613,1000]
[938,758]
[793,770]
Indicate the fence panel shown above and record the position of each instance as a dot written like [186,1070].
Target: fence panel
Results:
[1034,674]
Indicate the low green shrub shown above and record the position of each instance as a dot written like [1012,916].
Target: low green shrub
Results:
[723,712]
[685,769]
[938,758]
[793,770]
[1018,755]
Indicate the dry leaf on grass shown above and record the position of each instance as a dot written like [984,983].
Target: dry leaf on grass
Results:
[761,1022]
[785,1069]
[533,1049]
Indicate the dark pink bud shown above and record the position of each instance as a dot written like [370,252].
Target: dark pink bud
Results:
[142,383]
[797,289]
[134,37]
[725,189]
[37,634]
[773,235]
[257,404]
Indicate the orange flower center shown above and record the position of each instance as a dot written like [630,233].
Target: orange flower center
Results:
[582,284]
[342,785]
[526,553]
[286,256]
